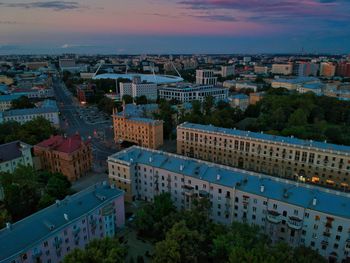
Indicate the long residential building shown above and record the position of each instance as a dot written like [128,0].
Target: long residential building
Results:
[48,235]
[287,211]
[287,157]
[48,110]
[190,92]
[13,154]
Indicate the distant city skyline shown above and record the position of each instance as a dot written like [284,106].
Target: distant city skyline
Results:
[174,26]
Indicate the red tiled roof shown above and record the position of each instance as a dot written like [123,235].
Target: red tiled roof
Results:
[61,144]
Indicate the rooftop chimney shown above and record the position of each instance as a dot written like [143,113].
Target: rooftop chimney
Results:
[262,188]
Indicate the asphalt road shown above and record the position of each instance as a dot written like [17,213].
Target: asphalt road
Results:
[71,124]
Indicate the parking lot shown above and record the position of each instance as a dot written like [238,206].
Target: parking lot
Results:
[92,115]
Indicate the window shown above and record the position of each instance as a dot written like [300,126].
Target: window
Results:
[340,228]
[274,206]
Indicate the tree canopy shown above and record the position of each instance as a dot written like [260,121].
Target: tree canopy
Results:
[22,102]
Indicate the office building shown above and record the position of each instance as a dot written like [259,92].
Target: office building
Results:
[295,213]
[71,156]
[47,110]
[13,154]
[191,92]
[135,125]
[52,233]
[327,69]
[308,161]
[137,89]
[282,69]
[205,77]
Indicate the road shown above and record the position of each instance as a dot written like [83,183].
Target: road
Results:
[71,124]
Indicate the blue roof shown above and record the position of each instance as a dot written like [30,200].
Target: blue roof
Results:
[35,228]
[9,97]
[139,119]
[328,201]
[297,80]
[132,110]
[159,79]
[30,111]
[269,137]
[240,96]
[313,86]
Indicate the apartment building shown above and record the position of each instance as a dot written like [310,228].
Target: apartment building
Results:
[6,101]
[327,69]
[307,161]
[293,83]
[255,97]
[287,211]
[13,154]
[48,110]
[50,234]
[135,125]
[189,92]
[71,156]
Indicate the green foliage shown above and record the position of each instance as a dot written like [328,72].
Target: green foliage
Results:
[106,105]
[141,100]
[105,85]
[31,132]
[27,190]
[166,114]
[22,102]
[127,99]
[106,250]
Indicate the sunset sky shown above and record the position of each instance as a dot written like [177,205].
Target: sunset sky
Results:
[174,26]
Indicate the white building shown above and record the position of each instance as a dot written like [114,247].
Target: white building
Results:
[189,92]
[284,210]
[261,69]
[13,154]
[205,77]
[137,88]
[282,69]
[312,87]
[47,110]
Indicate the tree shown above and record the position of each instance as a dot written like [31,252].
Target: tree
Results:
[298,118]
[22,102]
[127,99]
[208,104]
[141,100]
[106,250]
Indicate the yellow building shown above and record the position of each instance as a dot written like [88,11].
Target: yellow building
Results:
[142,131]
[6,80]
[287,157]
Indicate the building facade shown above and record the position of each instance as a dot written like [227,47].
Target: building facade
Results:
[255,97]
[48,110]
[293,83]
[313,162]
[70,156]
[13,154]
[189,92]
[227,70]
[135,125]
[50,234]
[6,101]
[205,77]
[137,89]
[327,69]
[240,101]
[285,210]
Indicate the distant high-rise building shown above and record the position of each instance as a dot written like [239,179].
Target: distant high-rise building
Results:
[260,69]
[228,70]
[327,69]
[205,77]
[343,69]
[306,69]
[67,63]
[137,89]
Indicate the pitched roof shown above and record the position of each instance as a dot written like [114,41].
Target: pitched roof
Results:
[62,144]
[10,151]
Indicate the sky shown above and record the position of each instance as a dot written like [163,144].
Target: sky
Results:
[174,26]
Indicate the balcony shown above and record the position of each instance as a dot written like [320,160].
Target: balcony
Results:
[274,217]
[57,243]
[326,234]
[188,190]
[203,194]
[36,253]
[347,245]
[295,223]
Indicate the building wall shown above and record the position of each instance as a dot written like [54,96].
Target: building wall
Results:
[312,165]
[282,69]
[26,159]
[50,116]
[73,165]
[280,220]
[99,223]
[146,134]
